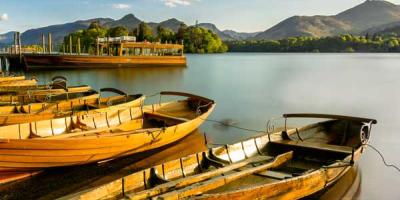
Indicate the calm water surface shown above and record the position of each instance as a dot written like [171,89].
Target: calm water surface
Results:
[251,88]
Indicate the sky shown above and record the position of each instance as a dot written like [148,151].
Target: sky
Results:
[238,15]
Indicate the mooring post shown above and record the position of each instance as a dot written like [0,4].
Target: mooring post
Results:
[43,44]
[19,47]
[79,45]
[15,44]
[70,45]
[108,45]
[50,48]
[97,46]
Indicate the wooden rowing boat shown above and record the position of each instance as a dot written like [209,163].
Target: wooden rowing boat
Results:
[91,138]
[18,83]
[11,78]
[57,82]
[291,164]
[50,95]
[79,106]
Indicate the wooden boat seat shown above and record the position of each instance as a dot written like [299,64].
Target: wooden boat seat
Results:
[316,146]
[165,117]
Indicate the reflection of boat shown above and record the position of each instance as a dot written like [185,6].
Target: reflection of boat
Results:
[44,111]
[86,139]
[347,187]
[111,52]
[289,165]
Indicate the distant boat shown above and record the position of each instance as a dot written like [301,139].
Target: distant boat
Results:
[291,164]
[99,136]
[112,52]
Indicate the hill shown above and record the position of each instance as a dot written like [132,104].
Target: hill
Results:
[371,13]
[33,36]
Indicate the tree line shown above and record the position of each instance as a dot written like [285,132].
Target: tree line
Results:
[195,39]
[341,43]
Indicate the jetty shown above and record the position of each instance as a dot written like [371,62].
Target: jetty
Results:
[110,52]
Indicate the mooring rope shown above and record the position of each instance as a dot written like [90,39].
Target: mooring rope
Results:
[383,158]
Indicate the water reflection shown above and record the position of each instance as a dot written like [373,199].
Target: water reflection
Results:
[132,80]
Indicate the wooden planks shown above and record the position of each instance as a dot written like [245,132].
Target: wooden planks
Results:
[180,183]
[219,181]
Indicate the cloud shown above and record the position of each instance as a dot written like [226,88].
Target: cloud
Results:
[121,6]
[4,17]
[174,3]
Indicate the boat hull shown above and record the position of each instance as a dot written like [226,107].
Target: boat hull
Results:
[36,154]
[85,61]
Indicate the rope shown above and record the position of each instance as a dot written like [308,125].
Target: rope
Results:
[233,126]
[383,158]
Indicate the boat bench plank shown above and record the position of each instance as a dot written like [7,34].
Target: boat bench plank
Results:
[165,117]
[274,175]
[319,146]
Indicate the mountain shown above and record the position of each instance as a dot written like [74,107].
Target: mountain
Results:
[386,29]
[367,15]
[316,26]
[239,35]
[172,24]
[7,38]
[214,29]
[34,36]
[370,14]
[129,21]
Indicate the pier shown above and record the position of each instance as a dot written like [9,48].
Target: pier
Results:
[122,51]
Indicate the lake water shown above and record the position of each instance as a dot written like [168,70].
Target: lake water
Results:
[251,88]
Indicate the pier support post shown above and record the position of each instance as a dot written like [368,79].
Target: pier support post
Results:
[108,46]
[97,46]
[79,45]
[49,43]
[15,43]
[43,44]
[19,47]
[70,45]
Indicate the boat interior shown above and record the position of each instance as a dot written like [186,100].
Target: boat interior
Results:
[157,116]
[279,156]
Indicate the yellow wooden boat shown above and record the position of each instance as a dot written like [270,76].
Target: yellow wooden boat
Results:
[91,138]
[57,82]
[291,164]
[50,95]
[79,106]
[11,78]
[18,83]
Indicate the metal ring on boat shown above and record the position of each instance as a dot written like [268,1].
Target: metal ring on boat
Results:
[365,133]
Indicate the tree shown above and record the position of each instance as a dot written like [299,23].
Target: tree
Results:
[145,32]
[117,31]
[200,40]
[95,25]
[165,34]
